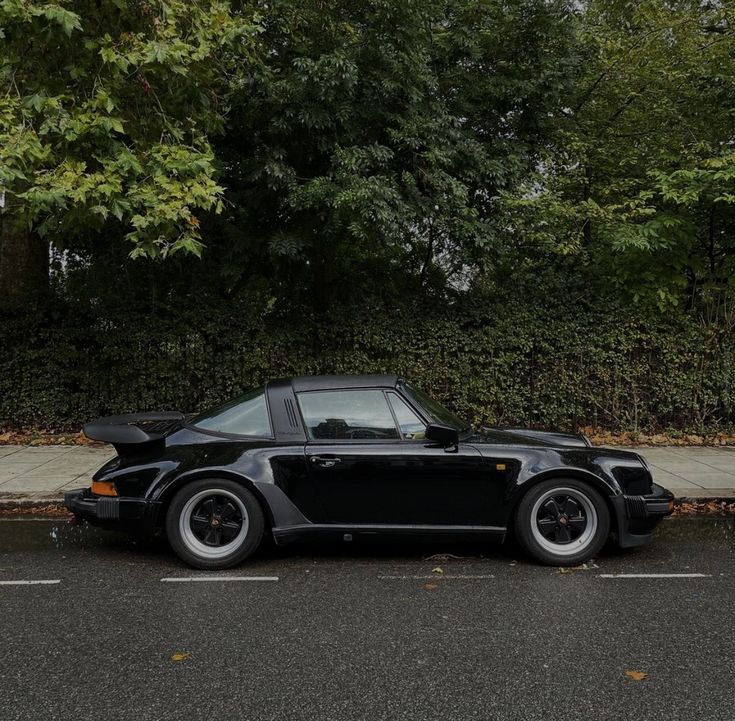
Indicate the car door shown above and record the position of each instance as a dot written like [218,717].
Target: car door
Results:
[367,471]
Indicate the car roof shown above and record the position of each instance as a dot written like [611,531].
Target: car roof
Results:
[321,383]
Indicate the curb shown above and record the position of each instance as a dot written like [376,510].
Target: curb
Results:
[28,508]
[30,502]
[24,505]
[32,508]
[703,495]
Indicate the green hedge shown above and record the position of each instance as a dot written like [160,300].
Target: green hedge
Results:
[608,369]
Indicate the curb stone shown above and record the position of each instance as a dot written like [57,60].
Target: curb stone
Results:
[21,504]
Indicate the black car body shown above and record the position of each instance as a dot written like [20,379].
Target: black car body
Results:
[350,456]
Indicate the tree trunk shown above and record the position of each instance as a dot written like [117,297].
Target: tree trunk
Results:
[24,263]
[587,190]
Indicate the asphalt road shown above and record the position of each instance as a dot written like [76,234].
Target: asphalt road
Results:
[367,632]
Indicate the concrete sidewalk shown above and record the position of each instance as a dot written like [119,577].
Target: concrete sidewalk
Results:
[691,471]
[35,472]
[47,471]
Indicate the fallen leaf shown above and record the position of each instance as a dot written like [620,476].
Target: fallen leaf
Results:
[636,675]
[437,570]
[180,656]
[582,567]
[444,557]
[430,586]
[54,510]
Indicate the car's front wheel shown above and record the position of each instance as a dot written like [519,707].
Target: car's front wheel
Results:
[562,522]
[214,524]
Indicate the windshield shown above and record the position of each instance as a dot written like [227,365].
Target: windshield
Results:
[436,411]
[243,416]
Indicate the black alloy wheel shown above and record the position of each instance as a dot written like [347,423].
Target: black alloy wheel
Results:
[562,522]
[214,523]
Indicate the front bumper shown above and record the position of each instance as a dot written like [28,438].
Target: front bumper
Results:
[638,516]
[113,511]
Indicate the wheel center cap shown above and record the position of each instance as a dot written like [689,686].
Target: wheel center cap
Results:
[215,522]
[563,520]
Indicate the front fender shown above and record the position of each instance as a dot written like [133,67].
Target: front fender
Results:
[609,488]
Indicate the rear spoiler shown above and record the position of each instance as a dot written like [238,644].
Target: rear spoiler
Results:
[132,428]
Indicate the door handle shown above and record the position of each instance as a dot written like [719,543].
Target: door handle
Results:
[325,461]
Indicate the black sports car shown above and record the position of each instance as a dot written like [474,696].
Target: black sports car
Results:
[352,456]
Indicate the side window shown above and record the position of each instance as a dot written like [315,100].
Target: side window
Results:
[412,427]
[243,416]
[349,415]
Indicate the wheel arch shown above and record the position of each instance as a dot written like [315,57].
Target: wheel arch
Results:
[214,474]
[606,489]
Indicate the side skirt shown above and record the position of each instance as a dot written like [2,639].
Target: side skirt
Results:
[284,535]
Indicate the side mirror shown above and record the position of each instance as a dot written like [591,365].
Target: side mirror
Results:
[446,435]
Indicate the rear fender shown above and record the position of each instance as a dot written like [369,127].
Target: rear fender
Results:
[276,505]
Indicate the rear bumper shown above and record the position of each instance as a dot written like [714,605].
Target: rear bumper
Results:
[638,516]
[113,512]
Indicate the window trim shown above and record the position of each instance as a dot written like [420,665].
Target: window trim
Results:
[232,436]
[343,441]
[395,417]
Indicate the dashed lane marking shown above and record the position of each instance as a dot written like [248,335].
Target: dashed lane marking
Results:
[227,579]
[655,575]
[437,577]
[42,582]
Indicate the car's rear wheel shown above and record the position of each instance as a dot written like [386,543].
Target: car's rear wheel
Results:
[562,522]
[214,524]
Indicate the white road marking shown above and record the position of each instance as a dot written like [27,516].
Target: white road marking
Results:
[434,577]
[655,575]
[188,579]
[45,582]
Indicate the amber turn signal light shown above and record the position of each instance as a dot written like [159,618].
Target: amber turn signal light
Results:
[103,488]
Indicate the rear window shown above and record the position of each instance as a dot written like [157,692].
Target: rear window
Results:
[246,415]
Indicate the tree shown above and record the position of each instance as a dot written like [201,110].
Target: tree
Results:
[639,186]
[106,113]
[376,137]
